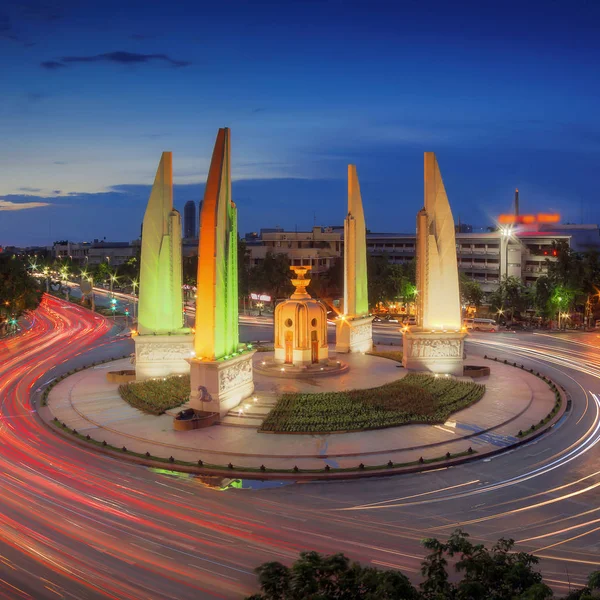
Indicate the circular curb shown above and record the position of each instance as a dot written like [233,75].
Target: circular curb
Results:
[272,474]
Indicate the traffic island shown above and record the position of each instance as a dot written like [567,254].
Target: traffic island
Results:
[87,403]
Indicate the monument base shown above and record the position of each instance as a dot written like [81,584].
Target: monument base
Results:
[220,385]
[354,335]
[437,352]
[162,355]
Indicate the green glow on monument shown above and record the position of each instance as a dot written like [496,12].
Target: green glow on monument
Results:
[217,296]
[161,297]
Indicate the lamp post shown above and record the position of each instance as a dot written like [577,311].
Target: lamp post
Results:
[506,233]
[113,278]
[134,285]
[559,307]
[260,306]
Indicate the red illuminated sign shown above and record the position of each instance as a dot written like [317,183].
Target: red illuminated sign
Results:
[529,219]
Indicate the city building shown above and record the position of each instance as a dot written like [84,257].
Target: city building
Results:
[76,252]
[115,253]
[487,257]
[318,248]
[190,229]
[96,252]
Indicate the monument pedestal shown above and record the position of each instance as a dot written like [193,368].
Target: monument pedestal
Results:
[162,355]
[354,335]
[437,352]
[220,385]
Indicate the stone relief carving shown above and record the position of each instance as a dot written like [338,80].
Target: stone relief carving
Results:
[435,349]
[236,375]
[360,332]
[157,351]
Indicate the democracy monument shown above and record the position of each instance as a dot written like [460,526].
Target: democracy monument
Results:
[302,405]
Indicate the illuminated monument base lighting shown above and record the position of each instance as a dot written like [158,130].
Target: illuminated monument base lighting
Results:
[437,343]
[353,335]
[162,355]
[220,385]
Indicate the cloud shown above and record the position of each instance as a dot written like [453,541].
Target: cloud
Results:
[52,65]
[6,28]
[12,206]
[29,189]
[119,57]
[60,162]
[56,191]
[36,96]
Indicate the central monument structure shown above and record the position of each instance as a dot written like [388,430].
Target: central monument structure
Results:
[353,329]
[436,344]
[221,371]
[162,343]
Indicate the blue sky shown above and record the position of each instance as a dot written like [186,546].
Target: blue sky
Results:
[506,94]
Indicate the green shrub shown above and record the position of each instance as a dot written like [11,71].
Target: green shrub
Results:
[155,396]
[416,398]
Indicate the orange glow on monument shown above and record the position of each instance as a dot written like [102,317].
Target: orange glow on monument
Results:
[509,219]
[221,372]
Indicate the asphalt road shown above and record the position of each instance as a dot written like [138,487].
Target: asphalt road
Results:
[76,524]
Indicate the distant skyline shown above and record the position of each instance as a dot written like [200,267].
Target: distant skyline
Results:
[504,93]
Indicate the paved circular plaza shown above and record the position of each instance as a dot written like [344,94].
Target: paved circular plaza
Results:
[514,400]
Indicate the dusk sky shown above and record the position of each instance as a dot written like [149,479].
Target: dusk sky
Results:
[506,93]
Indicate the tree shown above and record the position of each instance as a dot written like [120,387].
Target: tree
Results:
[388,282]
[243,269]
[271,276]
[19,290]
[498,573]
[470,291]
[317,577]
[512,295]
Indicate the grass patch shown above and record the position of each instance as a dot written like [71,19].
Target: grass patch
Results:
[416,398]
[155,396]
[391,354]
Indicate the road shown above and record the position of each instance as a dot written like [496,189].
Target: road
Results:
[76,524]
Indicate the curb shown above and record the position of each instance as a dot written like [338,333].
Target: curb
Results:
[328,473]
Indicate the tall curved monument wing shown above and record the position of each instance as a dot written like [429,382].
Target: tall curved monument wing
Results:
[437,269]
[220,367]
[217,298]
[163,343]
[353,329]
[356,301]
[437,344]
[161,297]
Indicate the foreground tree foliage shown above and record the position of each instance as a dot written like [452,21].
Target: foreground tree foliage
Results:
[498,573]
[19,291]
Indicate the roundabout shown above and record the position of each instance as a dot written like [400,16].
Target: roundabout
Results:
[138,532]
[91,405]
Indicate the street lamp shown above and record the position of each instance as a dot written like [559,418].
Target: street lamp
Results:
[134,285]
[260,306]
[113,278]
[506,233]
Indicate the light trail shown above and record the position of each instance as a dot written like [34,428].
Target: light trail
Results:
[81,525]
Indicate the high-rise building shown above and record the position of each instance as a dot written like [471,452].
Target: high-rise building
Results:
[189,220]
